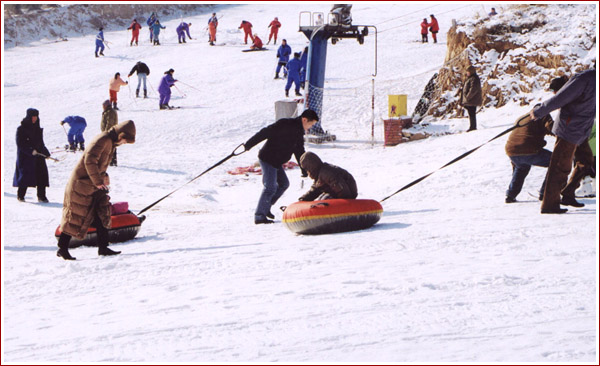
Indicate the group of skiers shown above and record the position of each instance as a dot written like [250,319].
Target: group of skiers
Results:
[294,70]
[432,27]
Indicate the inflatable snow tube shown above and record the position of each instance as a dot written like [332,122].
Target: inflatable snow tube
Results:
[331,216]
[124,227]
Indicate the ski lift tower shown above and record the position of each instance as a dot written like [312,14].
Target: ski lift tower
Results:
[318,31]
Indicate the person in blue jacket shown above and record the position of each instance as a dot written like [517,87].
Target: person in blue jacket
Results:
[293,68]
[100,43]
[31,169]
[150,22]
[77,125]
[283,53]
[303,64]
[182,29]
[164,89]
[156,27]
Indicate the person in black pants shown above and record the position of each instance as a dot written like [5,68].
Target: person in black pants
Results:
[470,97]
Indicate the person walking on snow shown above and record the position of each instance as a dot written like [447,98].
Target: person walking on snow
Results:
[156,27]
[257,43]
[303,65]
[283,53]
[293,68]
[86,203]
[284,138]
[434,28]
[164,89]
[470,96]
[135,32]
[274,25]
[114,87]
[182,29]
[77,125]
[31,169]
[247,27]
[100,43]
[330,181]
[108,121]
[424,26]
[142,71]
[213,23]
[150,22]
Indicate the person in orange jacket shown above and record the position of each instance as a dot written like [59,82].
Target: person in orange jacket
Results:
[275,25]
[257,45]
[213,23]
[114,87]
[424,26]
[434,28]
[135,32]
[247,27]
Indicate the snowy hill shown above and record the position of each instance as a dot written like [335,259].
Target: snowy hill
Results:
[450,274]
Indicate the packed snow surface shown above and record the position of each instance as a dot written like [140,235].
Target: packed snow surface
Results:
[450,274]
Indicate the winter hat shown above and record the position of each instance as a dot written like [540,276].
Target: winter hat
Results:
[310,115]
[296,54]
[106,103]
[126,130]
[31,112]
[101,29]
[170,71]
[311,163]
[472,69]
[557,83]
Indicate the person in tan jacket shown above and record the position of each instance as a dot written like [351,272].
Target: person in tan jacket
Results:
[109,119]
[330,181]
[114,87]
[86,203]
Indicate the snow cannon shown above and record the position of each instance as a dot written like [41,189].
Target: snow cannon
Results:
[125,225]
[331,216]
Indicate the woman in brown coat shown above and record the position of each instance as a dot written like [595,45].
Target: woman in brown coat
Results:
[471,96]
[330,181]
[86,200]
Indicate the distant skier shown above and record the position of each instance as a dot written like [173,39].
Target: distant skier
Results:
[164,89]
[109,120]
[470,96]
[135,32]
[424,26]
[142,71]
[77,125]
[100,43]
[213,23]
[150,22]
[330,181]
[293,68]
[257,43]
[274,25]
[283,53]
[114,87]
[303,66]
[182,29]
[434,28]
[247,27]
[156,27]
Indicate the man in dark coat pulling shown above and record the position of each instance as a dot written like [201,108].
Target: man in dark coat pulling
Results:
[330,181]
[284,138]
[31,169]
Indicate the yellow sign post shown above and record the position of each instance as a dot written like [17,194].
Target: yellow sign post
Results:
[397,105]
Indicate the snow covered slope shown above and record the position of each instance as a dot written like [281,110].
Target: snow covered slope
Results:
[450,274]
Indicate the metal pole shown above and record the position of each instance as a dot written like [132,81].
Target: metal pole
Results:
[373,112]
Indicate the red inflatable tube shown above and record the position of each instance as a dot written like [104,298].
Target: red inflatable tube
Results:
[331,216]
[124,227]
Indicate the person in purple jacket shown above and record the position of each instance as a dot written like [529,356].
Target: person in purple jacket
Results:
[164,89]
[577,103]
[182,29]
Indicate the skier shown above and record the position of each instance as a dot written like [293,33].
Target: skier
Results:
[142,71]
[434,28]
[135,32]
[150,22]
[293,68]
[86,203]
[77,125]
[164,89]
[470,97]
[114,87]
[284,138]
[577,103]
[156,27]
[256,43]
[303,65]
[100,43]
[274,25]
[109,120]
[213,23]
[424,26]
[182,29]
[247,27]
[31,169]
[330,181]
[283,53]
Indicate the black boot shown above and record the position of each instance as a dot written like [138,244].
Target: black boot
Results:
[107,251]
[298,93]
[81,146]
[72,147]
[63,247]
[263,221]
[276,75]
[287,93]
[145,93]
[115,106]
[96,53]
[137,93]
[64,254]
[571,201]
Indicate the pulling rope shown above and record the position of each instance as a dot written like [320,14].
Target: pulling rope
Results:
[233,153]
[518,124]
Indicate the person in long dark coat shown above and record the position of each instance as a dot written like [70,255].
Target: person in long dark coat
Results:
[31,169]
[470,97]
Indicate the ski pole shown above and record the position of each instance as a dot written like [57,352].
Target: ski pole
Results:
[47,157]
[189,85]
[233,153]
[180,92]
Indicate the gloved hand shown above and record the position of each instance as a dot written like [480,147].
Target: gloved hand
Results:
[62,123]
[245,148]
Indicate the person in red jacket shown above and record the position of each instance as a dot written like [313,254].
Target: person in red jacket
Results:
[275,25]
[135,32]
[434,28]
[424,26]
[247,27]
[257,45]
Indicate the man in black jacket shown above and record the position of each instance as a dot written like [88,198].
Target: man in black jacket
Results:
[142,72]
[284,138]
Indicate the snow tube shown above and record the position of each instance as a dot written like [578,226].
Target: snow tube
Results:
[125,227]
[331,216]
